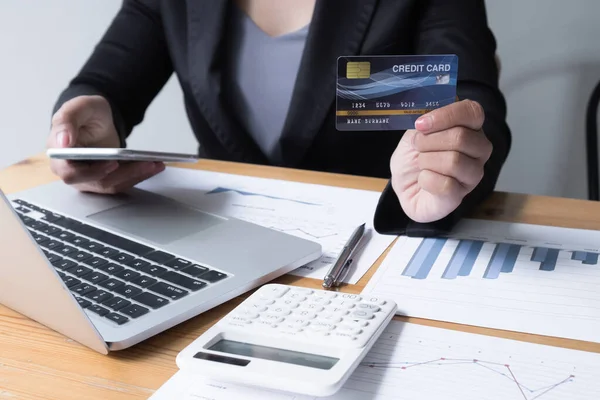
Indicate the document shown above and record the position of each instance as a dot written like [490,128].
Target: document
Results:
[527,278]
[324,214]
[411,361]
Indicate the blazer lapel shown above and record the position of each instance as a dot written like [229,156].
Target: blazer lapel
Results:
[337,29]
[206,24]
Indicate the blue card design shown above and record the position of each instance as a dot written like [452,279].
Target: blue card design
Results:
[383,93]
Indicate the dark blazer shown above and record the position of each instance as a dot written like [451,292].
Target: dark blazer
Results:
[149,40]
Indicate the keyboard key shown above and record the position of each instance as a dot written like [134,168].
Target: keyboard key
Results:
[50,244]
[93,247]
[144,281]
[159,257]
[112,240]
[51,217]
[37,225]
[194,270]
[79,270]
[170,291]
[64,264]
[64,236]
[83,289]
[39,238]
[137,264]
[182,280]
[116,303]
[154,270]
[127,274]
[66,250]
[70,281]
[26,220]
[119,319]
[98,310]
[134,311]
[83,302]
[108,252]
[212,276]
[122,258]
[99,296]
[78,241]
[178,263]
[150,300]
[95,277]
[49,230]
[80,256]
[66,223]
[127,291]
[111,268]
[95,262]
[53,258]
[112,284]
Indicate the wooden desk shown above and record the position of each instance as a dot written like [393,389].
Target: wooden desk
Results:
[37,363]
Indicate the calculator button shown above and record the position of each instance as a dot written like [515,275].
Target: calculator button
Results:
[239,320]
[369,307]
[247,314]
[279,310]
[305,314]
[289,303]
[375,300]
[289,330]
[265,323]
[312,307]
[302,291]
[258,308]
[297,296]
[271,318]
[362,314]
[353,297]
[273,291]
[333,319]
[321,326]
[325,295]
[266,302]
[349,330]
[343,336]
[343,303]
[336,310]
[295,323]
[320,300]
[355,323]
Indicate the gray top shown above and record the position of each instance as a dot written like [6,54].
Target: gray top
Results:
[260,79]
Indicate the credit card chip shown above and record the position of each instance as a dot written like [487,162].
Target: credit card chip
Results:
[358,69]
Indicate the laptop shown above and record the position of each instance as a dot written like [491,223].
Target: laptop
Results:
[110,271]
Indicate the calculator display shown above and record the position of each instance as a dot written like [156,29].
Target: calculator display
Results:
[274,354]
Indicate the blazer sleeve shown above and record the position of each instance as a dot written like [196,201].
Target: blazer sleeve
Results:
[129,66]
[457,27]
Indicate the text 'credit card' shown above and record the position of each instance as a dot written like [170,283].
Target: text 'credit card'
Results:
[383,93]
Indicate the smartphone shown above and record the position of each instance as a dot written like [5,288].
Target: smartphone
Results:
[119,154]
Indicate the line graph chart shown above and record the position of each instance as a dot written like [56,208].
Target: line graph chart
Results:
[412,361]
[517,277]
[504,370]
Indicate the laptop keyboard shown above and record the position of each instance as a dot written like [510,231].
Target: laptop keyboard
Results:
[111,276]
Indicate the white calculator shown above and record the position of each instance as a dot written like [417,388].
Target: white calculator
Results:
[289,338]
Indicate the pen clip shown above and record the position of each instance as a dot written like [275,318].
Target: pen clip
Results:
[344,273]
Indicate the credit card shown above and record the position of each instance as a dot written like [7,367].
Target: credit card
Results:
[383,93]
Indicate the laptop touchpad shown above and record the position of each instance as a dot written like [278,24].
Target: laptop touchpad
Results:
[162,222]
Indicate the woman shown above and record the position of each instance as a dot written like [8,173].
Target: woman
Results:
[259,79]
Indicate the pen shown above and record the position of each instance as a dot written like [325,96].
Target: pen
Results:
[340,267]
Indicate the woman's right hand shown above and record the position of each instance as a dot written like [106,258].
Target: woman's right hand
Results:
[86,121]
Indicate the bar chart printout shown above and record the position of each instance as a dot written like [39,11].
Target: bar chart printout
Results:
[412,361]
[527,286]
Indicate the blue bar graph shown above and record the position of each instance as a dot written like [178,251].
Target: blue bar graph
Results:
[458,259]
[511,258]
[467,266]
[591,259]
[539,254]
[501,260]
[423,259]
[579,255]
[549,262]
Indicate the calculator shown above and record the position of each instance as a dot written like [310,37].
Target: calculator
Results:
[288,338]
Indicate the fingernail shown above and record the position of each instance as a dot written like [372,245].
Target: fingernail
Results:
[424,123]
[62,138]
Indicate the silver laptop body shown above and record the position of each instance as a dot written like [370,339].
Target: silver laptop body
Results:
[112,271]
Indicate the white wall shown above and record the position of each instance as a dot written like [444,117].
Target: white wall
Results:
[550,56]
[42,45]
[549,49]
